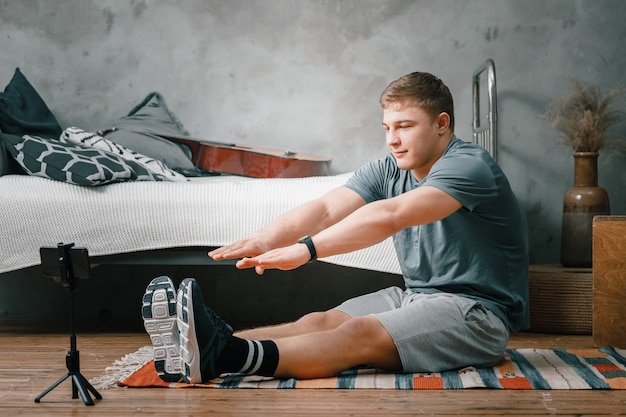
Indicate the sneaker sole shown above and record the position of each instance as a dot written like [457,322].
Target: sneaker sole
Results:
[159,315]
[189,349]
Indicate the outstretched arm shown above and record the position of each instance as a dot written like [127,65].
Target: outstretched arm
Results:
[307,219]
[370,224]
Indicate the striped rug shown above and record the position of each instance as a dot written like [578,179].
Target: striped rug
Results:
[520,369]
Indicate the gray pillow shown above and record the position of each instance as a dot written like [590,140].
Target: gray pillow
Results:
[140,131]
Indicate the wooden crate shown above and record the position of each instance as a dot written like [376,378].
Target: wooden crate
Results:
[609,281]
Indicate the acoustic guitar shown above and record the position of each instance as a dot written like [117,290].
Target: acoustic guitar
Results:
[252,161]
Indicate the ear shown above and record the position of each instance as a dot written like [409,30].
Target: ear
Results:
[443,122]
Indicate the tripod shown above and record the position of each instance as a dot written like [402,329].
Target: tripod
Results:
[72,359]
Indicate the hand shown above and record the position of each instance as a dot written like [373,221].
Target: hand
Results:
[287,258]
[240,249]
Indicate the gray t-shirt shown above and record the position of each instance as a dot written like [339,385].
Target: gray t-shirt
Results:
[480,251]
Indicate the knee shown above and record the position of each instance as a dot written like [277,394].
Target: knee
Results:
[370,341]
[366,328]
[326,320]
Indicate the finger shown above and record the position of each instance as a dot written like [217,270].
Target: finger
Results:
[221,255]
[228,252]
[246,263]
[218,253]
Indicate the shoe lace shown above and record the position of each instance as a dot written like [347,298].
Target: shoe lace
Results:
[218,323]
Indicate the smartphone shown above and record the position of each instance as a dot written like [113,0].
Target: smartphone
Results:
[54,259]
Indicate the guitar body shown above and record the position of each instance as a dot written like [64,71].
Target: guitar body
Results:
[252,161]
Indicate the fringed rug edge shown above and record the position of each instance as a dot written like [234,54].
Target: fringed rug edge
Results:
[122,368]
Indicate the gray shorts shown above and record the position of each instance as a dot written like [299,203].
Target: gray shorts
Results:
[434,332]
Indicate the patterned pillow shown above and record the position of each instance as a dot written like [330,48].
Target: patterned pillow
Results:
[84,139]
[52,159]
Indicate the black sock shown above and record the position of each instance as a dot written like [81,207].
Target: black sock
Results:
[250,357]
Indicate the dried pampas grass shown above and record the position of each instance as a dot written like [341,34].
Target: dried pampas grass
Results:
[586,117]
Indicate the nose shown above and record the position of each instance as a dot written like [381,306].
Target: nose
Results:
[392,138]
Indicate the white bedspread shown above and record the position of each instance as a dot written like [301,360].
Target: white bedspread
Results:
[128,217]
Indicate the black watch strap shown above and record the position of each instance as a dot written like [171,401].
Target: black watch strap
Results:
[309,244]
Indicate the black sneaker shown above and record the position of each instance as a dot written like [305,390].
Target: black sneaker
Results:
[159,319]
[203,334]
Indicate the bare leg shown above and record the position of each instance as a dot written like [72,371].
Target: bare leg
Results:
[358,341]
[324,344]
[310,323]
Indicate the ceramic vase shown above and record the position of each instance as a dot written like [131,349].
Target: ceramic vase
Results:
[582,202]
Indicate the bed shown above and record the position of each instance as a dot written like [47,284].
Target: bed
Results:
[138,219]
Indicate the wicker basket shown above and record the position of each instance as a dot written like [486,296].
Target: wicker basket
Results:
[561,299]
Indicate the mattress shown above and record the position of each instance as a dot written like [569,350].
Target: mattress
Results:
[137,216]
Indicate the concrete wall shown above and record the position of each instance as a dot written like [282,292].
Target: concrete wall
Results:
[306,75]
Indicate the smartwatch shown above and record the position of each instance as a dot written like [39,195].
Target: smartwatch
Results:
[309,244]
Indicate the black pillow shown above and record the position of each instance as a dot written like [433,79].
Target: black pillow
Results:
[8,164]
[23,111]
[140,131]
[74,164]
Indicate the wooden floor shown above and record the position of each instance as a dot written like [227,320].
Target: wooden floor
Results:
[31,359]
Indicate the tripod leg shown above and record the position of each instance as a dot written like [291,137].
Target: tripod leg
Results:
[74,386]
[92,389]
[78,381]
[89,387]
[51,387]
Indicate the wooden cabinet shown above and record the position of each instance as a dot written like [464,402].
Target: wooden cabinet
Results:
[609,281]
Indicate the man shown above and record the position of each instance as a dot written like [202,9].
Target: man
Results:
[460,237]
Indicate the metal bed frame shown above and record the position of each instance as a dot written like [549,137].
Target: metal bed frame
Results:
[485,129]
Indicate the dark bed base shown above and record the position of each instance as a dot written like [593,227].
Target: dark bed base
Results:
[195,255]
